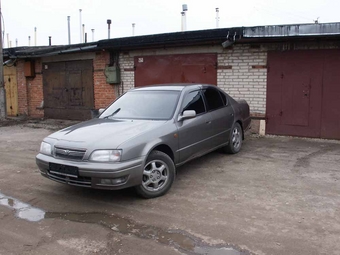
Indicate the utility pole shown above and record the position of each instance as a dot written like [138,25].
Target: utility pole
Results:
[3,112]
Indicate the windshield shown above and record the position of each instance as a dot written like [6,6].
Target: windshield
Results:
[138,104]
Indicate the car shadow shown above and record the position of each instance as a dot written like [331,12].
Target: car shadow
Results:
[129,196]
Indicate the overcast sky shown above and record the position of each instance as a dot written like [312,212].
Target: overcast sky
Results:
[150,16]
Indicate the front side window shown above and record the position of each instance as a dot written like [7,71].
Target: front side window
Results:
[194,101]
[213,99]
[144,104]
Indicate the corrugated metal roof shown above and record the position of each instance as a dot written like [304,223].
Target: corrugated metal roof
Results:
[316,29]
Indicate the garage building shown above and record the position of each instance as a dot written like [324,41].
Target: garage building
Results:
[289,74]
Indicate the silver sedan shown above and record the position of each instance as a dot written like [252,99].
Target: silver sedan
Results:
[142,137]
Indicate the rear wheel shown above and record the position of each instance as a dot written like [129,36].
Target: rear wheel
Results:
[235,140]
[158,175]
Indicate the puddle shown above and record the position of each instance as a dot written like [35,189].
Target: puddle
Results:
[181,240]
[22,210]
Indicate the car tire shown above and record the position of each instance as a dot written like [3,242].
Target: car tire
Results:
[158,175]
[235,140]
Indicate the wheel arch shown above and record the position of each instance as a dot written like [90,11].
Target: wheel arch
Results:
[241,124]
[165,149]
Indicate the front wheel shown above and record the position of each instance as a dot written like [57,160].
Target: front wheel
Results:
[235,140]
[158,175]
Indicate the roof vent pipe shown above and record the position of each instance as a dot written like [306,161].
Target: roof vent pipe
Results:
[133,29]
[29,40]
[80,33]
[83,32]
[8,40]
[50,40]
[184,21]
[108,28]
[92,34]
[217,17]
[69,29]
[16,42]
[35,36]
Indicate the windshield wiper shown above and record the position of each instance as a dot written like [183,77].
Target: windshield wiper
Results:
[108,116]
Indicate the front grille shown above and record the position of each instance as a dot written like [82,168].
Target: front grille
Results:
[69,153]
[76,181]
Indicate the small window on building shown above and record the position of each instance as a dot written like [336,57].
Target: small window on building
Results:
[213,99]
[194,101]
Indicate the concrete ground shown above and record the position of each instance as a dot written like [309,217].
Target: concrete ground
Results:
[279,195]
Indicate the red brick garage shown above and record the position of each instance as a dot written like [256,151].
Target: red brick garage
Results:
[303,93]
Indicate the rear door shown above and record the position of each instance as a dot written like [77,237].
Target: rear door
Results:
[222,116]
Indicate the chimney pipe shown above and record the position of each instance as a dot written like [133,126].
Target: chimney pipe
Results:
[29,40]
[133,29]
[50,40]
[85,37]
[217,17]
[35,36]
[69,29]
[108,27]
[80,33]
[92,34]
[16,42]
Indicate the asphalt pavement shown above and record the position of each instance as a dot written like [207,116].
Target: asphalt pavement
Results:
[279,195]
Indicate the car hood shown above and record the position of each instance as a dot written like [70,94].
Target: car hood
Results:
[102,133]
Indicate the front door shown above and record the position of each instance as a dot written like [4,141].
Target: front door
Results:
[194,134]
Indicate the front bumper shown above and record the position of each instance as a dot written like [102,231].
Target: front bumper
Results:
[91,174]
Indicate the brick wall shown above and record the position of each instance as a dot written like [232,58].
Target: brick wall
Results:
[22,89]
[127,71]
[104,93]
[35,92]
[30,91]
[242,73]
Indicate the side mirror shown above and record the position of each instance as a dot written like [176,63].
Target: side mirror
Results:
[95,113]
[189,114]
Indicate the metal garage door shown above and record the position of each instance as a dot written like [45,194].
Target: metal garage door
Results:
[68,89]
[303,90]
[184,68]
[10,79]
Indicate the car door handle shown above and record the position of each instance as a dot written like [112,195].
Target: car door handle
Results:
[208,122]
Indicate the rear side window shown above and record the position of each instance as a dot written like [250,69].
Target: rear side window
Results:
[224,98]
[213,99]
[194,101]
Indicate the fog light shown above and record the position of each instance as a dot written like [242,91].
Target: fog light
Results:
[114,181]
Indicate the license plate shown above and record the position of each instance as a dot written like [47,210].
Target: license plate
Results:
[71,171]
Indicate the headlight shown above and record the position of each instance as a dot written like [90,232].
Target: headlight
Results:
[46,148]
[106,155]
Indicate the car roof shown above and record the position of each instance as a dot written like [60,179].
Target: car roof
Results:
[173,86]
